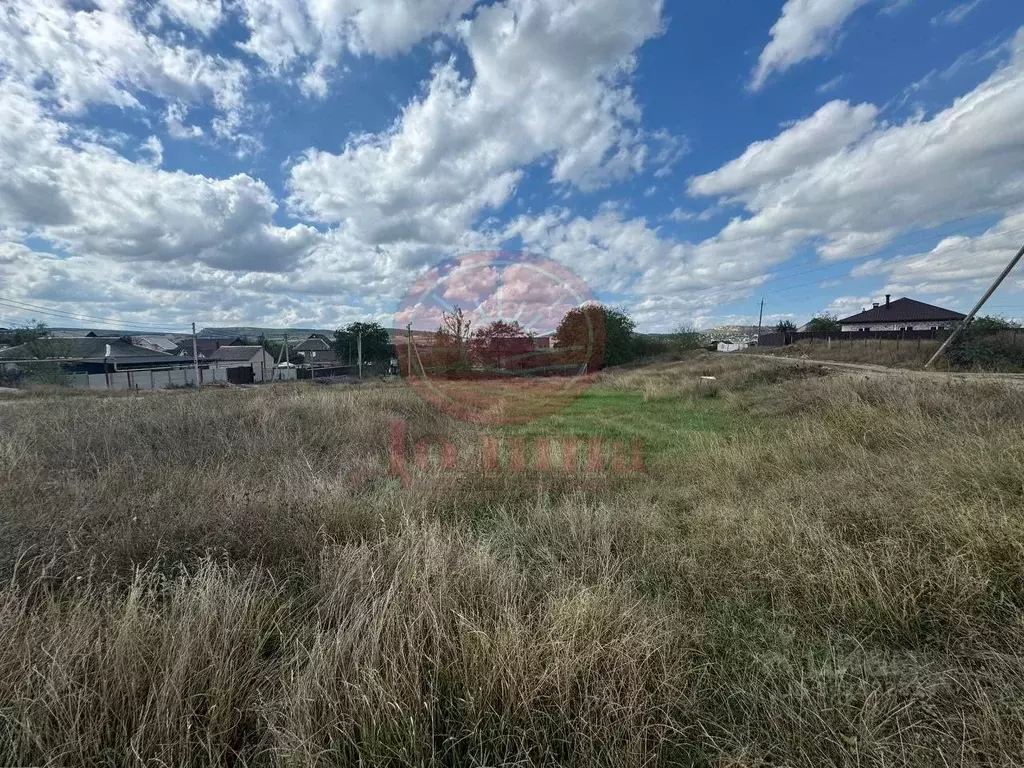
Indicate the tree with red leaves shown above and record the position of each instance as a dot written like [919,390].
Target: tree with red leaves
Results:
[502,346]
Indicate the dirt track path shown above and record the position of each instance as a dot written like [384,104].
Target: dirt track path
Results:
[1014,379]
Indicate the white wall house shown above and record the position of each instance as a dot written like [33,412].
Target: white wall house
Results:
[731,346]
[901,315]
[237,356]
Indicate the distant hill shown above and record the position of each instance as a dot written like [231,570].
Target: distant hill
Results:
[294,334]
[254,332]
[66,333]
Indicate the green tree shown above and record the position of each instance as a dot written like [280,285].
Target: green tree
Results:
[24,334]
[687,338]
[649,345]
[785,326]
[600,335]
[824,322]
[619,337]
[35,342]
[377,346]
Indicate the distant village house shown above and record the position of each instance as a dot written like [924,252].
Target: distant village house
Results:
[317,349]
[205,347]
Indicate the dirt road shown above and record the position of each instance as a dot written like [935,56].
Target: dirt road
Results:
[1014,379]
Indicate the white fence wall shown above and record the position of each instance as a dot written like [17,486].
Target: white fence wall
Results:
[175,377]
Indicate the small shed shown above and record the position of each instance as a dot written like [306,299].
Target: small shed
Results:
[255,357]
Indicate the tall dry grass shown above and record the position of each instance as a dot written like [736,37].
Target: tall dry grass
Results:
[201,578]
[850,349]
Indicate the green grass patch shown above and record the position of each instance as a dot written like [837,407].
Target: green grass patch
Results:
[665,424]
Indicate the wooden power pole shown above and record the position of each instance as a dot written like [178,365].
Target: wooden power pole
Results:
[195,356]
[760,316]
[359,353]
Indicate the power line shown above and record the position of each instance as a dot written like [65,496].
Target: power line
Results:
[25,306]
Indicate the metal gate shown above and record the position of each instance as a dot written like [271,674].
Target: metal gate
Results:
[243,374]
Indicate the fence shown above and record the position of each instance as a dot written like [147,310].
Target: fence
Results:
[145,379]
[848,337]
[161,378]
[330,371]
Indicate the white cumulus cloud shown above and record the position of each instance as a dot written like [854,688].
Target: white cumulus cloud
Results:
[832,128]
[549,84]
[964,160]
[806,30]
[92,200]
[314,34]
[97,54]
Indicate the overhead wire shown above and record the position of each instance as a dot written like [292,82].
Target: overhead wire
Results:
[14,304]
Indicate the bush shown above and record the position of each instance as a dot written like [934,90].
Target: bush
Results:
[11,376]
[988,350]
[824,322]
[33,373]
[644,346]
[687,338]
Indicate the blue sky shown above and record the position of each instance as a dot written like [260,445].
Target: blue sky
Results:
[302,163]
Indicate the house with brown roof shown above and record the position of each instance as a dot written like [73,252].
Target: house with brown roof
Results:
[901,315]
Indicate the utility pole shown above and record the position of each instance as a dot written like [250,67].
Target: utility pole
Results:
[195,355]
[263,360]
[408,332]
[277,364]
[359,352]
[964,323]
[760,316]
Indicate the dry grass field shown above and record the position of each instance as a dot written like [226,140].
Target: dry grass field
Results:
[810,570]
[901,354]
